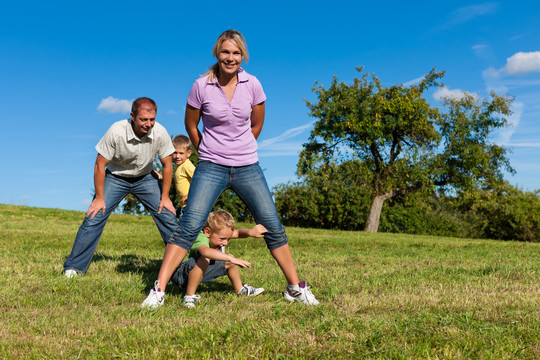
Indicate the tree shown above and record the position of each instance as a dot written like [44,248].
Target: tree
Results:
[404,141]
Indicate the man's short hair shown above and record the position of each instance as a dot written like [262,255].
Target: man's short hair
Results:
[219,219]
[182,141]
[139,101]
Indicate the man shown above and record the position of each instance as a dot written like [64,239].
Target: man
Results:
[124,165]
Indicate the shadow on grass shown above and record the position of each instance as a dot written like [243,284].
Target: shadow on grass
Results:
[149,270]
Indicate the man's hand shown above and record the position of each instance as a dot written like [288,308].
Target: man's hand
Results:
[95,207]
[167,204]
[257,231]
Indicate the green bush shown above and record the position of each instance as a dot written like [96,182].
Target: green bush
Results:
[335,196]
[426,214]
[505,212]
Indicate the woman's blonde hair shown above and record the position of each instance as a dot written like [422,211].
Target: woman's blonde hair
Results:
[238,39]
[218,220]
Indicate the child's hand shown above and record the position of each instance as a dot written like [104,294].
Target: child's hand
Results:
[257,231]
[184,199]
[160,177]
[239,262]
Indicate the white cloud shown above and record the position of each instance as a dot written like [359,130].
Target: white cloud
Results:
[278,146]
[281,149]
[491,73]
[414,81]
[523,63]
[526,144]
[483,51]
[286,135]
[114,105]
[468,13]
[445,92]
[506,134]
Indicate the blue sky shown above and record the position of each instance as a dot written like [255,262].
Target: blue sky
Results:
[67,70]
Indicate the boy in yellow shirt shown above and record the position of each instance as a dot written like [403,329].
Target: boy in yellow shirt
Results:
[185,169]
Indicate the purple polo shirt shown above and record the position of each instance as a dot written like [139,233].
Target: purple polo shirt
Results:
[227,138]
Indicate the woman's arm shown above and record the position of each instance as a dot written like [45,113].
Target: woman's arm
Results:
[257,119]
[192,118]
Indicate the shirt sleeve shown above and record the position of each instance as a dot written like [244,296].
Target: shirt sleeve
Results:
[107,145]
[189,168]
[201,240]
[195,96]
[166,147]
[258,93]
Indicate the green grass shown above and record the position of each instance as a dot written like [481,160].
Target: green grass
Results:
[383,296]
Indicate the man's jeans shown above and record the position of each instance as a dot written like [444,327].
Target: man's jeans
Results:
[146,188]
[248,182]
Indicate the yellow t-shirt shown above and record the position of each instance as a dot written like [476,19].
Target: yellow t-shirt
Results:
[182,178]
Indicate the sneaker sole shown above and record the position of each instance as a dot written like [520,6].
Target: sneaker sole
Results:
[293,299]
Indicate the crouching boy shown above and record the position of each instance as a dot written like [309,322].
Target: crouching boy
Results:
[207,259]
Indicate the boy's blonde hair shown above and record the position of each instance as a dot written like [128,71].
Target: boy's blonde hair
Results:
[182,141]
[218,220]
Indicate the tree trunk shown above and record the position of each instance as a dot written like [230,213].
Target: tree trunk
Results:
[374,217]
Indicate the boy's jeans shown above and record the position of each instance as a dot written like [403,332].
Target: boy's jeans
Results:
[248,182]
[146,188]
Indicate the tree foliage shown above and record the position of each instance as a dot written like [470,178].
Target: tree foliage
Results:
[406,143]
[505,212]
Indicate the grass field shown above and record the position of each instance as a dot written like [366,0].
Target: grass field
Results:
[383,296]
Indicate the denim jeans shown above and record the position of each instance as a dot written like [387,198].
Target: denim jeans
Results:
[146,188]
[248,182]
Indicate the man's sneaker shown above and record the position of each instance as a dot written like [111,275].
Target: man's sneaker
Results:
[155,298]
[302,295]
[189,300]
[70,273]
[248,290]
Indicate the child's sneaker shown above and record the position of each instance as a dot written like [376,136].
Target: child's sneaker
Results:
[248,290]
[155,298]
[302,295]
[189,300]
[70,273]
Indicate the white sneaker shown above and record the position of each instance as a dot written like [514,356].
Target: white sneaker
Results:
[189,300]
[155,298]
[302,295]
[248,290]
[70,273]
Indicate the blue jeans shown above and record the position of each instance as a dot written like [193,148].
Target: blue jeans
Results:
[146,188]
[248,182]
[215,269]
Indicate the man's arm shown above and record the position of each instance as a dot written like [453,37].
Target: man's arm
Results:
[165,202]
[99,183]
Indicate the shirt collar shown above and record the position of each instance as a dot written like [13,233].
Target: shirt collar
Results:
[242,77]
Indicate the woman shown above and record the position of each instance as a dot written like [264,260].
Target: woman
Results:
[230,103]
